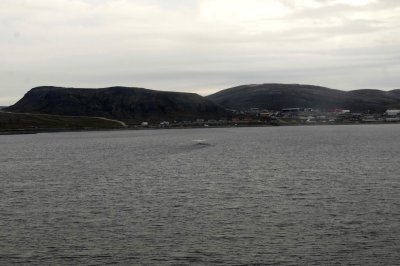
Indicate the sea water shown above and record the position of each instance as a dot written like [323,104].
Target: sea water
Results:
[311,195]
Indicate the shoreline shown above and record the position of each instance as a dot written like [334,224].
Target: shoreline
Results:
[7,132]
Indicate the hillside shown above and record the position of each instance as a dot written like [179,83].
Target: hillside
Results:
[278,96]
[13,121]
[128,104]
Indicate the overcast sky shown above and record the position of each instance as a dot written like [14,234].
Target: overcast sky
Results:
[198,45]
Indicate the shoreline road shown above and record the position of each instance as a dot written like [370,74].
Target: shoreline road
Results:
[123,124]
[112,120]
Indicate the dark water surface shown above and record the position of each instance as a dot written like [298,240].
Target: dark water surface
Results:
[318,195]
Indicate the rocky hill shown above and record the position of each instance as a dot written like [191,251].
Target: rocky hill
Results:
[278,96]
[127,104]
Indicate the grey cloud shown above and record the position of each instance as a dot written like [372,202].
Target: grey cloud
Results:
[172,45]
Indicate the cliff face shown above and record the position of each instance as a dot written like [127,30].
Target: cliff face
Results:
[130,104]
[278,96]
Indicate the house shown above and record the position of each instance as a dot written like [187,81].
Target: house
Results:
[393,112]
[164,124]
[392,116]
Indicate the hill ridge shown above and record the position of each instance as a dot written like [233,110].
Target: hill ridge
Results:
[129,104]
[276,96]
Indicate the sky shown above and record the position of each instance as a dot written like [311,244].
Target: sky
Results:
[199,46]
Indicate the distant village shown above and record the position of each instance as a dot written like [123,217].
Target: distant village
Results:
[286,116]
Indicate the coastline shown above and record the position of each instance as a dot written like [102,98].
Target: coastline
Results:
[63,130]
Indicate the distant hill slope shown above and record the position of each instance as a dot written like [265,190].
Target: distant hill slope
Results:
[128,104]
[13,121]
[278,96]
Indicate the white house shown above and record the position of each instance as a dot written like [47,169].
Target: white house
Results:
[393,112]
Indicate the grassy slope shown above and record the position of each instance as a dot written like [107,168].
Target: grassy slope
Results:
[14,121]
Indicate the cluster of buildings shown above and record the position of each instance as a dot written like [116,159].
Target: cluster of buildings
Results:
[310,115]
[296,116]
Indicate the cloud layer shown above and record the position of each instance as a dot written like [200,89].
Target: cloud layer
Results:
[198,45]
